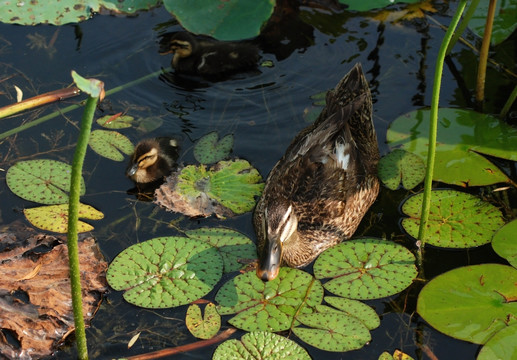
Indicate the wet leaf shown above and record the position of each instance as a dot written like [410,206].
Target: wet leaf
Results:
[357,309]
[116,121]
[209,149]
[504,20]
[401,166]
[110,144]
[55,217]
[41,181]
[456,219]
[504,243]
[92,87]
[203,327]
[366,268]
[501,345]
[268,306]
[367,5]
[165,272]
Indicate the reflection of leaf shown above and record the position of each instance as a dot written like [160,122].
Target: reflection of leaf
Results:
[504,20]
[110,144]
[116,121]
[203,327]
[504,243]
[209,149]
[55,217]
[400,165]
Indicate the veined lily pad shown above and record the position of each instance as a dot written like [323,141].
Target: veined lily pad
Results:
[397,355]
[41,181]
[456,219]
[366,268]
[400,165]
[55,217]
[268,306]
[357,309]
[232,245]
[227,188]
[260,345]
[165,272]
[209,149]
[116,121]
[463,136]
[501,345]
[110,144]
[203,327]
[504,243]
[470,303]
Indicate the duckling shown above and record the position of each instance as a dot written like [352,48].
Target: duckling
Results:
[208,57]
[318,192]
[153,160]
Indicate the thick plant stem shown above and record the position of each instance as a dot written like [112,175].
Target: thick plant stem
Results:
[433,125]
[465,22]
[509,103]
[73,216]
[483,56]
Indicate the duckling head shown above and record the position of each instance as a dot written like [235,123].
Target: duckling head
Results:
[143,166]
[182,45]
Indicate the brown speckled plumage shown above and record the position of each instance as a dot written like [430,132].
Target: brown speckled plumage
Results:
[323,185]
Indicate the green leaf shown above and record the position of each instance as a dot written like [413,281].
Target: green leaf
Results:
[232,245]
[165,272]
[92,87]
[367,5]
[268,306]
[400,165]
[463,137]
[456,219]
[110,144]
[203,327]
[41,181]
[470,303]
[260,345]
[504,243]
[366,268]
[504,20]
[357,309]
[209,150]
[116,121]
[501,345]
[55,217]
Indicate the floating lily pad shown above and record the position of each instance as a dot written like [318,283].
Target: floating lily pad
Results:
[260,345]
[401,166]
[366,268]
[470,303]
[110,144]
[463,137]
[55,217]
[372,4]
[268,306]
[116,121]
[235,248]
[41,181]
[357,309]
[226,189]
[209,149]
[456,219]
[397,355]
[203,327]
[501,345]
[165,272]
[504,243]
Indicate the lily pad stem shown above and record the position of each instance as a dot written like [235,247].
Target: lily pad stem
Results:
[461,28]
[483,56]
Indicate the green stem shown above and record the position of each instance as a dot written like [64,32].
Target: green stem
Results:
[464,23]
[73,217]
[433,125]
[483,56]
[509,103]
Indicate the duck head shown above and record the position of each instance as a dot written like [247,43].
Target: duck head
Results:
[144,158]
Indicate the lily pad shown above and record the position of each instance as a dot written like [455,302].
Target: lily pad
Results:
[272,305]
[116,121]
[401,166]
[232,245]
[357,309]
[209,149]
[55,217]
[260,345]
[165,272]
[504,21]
[463,137]
[504,243]
[93,87]
[470,303]
[501,345]
[456,219]
[41,181]
[366,268]
[372,4]
[397,355]
[110,144]
[203,327]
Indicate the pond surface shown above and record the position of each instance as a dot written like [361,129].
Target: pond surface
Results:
[311,51]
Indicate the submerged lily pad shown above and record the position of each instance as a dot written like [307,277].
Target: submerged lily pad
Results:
[165,272]
[366,268]
[203,327]
[504,243]
[456,219]
[470,303]
[209,149]
[504,20]
[41,181]
[55,217]
[401,166]
[110,144]
[268,306]
[501,345]
[117,121]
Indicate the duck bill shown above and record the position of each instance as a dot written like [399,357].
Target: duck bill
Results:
[132,170]
[269,261]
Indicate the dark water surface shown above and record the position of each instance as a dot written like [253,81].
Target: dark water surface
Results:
[311,53]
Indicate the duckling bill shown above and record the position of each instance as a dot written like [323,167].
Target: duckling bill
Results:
[318,192]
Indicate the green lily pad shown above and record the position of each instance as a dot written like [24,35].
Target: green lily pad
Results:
[110,144]
[116,121]
[232,245]
[260,345]
[268,306]
[165,272]
[470,303]
[366,268]
[55,217]
[41,181]
[504,243]
[463,137]
[504,21]
[203,327]
[456,219]
[401,166]
[92,87]
[501,345]
[397,355]
[368,5]
[209,149]
[226,189]
[357,309]
[149,124]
